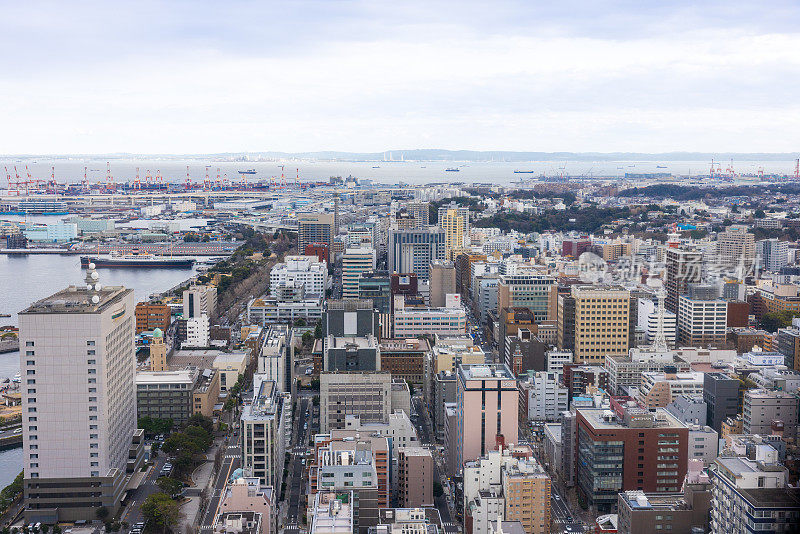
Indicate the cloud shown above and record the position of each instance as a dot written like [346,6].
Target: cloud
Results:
[367,76]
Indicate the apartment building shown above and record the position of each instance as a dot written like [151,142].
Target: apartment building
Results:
[702,323]
[263,427]
[659,388]
[415,476]
[414,322]
[683,267]
[295,271]
[766,412]
[355,262]
[316,228]
[413,251]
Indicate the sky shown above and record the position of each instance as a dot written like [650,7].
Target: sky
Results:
[306,75]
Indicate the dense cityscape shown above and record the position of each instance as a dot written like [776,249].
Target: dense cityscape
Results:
[556,354]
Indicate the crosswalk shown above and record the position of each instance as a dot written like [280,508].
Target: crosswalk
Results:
[231,456]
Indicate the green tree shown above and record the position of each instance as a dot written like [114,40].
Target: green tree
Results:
[308,338]
[102,513]
[410,388]
[299,322]
[318,330]
[759,214]
[772,321]
[438,490]
[170,486]
[202,421]
[161,511]
[315,400]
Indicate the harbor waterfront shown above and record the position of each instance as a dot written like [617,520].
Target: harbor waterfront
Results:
[25,279]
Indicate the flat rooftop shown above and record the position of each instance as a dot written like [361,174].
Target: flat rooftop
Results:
[480,371]
[76,299]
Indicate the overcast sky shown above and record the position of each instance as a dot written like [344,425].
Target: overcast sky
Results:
[213,76]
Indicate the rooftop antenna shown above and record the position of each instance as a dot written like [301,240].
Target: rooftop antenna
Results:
[93,283]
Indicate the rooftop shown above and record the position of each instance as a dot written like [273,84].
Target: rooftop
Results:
[76,299]
[481,371]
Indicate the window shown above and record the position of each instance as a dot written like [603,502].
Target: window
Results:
[30,362]
[31,391]
[90,352]
[31,382]
[29,343]
[90,343]
[91,362]
[29,353]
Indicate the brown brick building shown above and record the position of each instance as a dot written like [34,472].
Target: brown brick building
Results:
[152,315]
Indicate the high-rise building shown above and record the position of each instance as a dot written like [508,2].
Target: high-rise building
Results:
[78,367]
[263,424]
[274,358]
[316,228]
[376,286]
[736,248]
[413,251]
[355,261]
[721,395]
[415,476]
[594,322]
[684,267]
[199,299]
[772,254]
[454,220]
[488,399]
[701,323]
[463,264]
[537,292]
[442,282]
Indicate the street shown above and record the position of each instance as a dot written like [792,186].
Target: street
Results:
[231,461]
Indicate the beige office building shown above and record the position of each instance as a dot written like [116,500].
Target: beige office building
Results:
[454,220]
[78,366]
[595,322]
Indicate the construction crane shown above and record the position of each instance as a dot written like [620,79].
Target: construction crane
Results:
[188,180]
[797,169]
[137,184]
[159,179]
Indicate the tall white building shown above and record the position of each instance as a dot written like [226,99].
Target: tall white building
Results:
[772,254]
[198,300]
[263,432]
[78,366]
[273,357]
[305,270]
[197,331]
[354,262]
[547,396]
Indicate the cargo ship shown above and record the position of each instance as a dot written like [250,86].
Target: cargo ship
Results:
[137,260]
[248,171]
[524,172]
[453,169]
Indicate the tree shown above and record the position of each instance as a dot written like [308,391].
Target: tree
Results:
[318,330]
[410,388]
[299,322]
[759,214]
[315,400]
[170,486]
[102,513]
[772,321]
[202,421]
[308,338]
[161,510]
[438,490]
[56,529]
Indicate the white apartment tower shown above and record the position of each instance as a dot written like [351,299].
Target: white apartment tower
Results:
[78,399]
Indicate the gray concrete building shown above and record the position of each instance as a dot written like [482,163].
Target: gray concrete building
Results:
[366,394]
